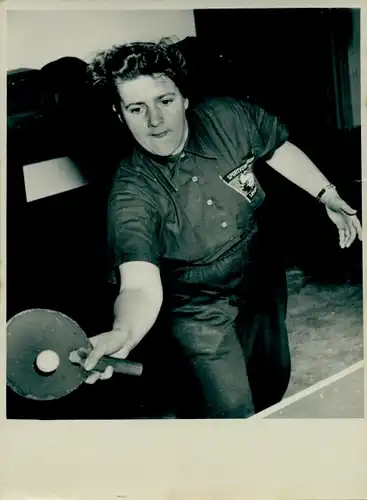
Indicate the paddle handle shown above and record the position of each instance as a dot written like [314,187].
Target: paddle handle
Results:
[119,366]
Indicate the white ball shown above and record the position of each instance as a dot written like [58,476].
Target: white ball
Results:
[47,361]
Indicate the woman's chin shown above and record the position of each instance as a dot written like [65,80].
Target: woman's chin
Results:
[162,151]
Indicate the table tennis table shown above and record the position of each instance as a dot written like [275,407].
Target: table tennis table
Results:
[340,396]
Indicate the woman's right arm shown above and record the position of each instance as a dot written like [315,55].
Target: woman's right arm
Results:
[136,309]
[138,304]
[133,225]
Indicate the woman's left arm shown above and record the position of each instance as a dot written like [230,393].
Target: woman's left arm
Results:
[293,164]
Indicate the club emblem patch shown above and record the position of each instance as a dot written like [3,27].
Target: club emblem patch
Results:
[242,179]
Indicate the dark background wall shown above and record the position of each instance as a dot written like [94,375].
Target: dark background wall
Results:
[297,64]
[293,62]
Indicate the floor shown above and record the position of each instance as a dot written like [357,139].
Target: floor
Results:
[325,329]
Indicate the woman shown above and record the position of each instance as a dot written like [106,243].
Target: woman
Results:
[184,235]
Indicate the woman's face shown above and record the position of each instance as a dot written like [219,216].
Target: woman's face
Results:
[154,110]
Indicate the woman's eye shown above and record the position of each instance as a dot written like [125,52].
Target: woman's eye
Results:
[166,102]
[135,111]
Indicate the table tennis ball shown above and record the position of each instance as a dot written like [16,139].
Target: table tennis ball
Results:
[47,361]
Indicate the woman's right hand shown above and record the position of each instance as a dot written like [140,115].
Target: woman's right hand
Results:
[113,343]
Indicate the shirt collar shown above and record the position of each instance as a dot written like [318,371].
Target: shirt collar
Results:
[164,165]
[165,161]
[198,142]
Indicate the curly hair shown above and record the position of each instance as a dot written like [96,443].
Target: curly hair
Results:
[129,61]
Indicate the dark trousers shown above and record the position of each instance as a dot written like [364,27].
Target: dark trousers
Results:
[229,323]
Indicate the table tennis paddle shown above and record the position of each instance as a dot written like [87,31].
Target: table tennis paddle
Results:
[39,342]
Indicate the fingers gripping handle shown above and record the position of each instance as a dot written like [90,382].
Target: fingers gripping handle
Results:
[119,366]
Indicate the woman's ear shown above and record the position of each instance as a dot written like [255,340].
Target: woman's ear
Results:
[186,103]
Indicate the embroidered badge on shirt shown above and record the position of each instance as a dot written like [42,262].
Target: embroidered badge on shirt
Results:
[242,179]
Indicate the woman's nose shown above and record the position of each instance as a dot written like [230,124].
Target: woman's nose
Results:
[155,117]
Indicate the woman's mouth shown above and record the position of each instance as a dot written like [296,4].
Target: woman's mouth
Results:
[160,135]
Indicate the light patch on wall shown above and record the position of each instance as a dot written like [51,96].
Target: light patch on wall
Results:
[51,177]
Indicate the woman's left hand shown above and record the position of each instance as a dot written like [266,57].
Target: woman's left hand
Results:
[345,219]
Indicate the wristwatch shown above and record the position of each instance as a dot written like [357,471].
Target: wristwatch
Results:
[325,190]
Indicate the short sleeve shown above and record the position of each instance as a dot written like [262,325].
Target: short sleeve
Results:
[133,223]
[266,131]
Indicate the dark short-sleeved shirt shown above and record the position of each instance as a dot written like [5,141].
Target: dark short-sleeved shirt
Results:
[189,210]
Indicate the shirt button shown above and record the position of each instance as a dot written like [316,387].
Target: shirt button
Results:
[224,224]
[194,179]
[210,202]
